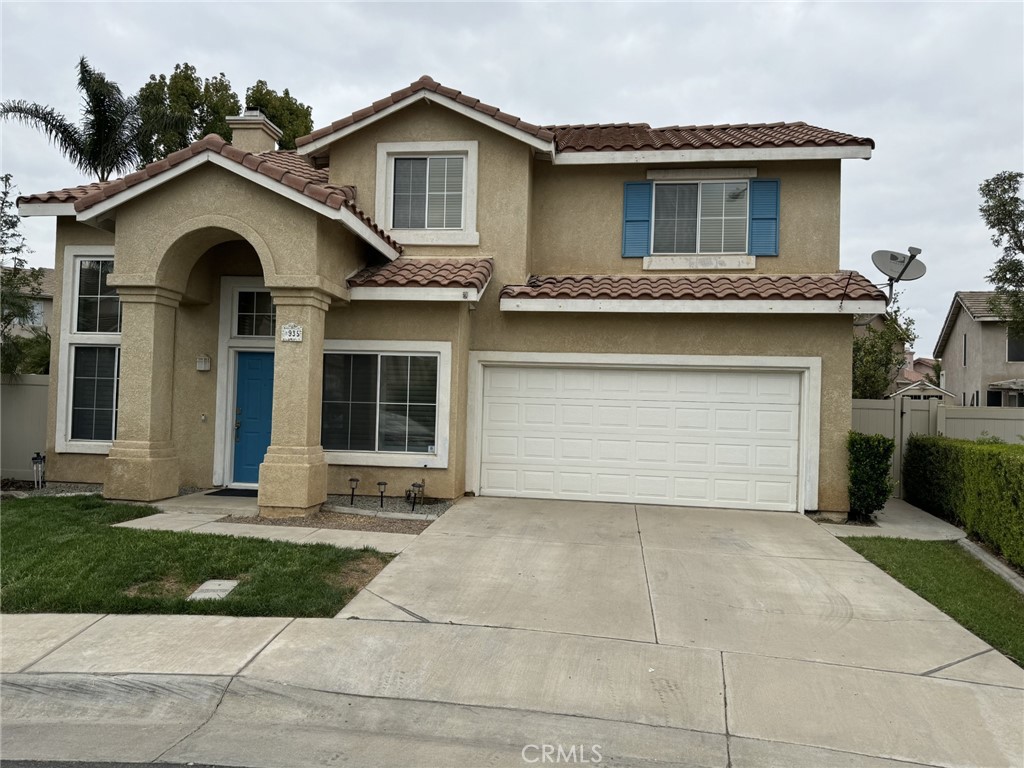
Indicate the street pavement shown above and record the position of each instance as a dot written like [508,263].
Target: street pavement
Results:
[519,632]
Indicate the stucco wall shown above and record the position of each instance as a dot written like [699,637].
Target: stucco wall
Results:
[986,359]
[503,194]
[410,321]
[577,222]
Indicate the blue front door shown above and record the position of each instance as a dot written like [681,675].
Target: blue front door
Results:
[254,404]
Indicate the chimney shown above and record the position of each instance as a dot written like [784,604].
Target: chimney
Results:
[908,358]
[253,132]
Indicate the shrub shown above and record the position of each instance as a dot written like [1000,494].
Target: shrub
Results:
[979,486]
[870,484]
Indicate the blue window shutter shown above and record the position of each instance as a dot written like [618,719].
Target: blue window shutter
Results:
[764,217]
[636,219]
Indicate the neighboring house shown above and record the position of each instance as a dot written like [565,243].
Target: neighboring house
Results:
[432,289]
[982,363]
[915,379]
[42,307]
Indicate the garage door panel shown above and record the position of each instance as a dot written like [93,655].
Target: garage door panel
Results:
[673,437]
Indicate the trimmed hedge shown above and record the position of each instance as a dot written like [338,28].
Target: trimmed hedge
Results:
[870,484]
[979,486]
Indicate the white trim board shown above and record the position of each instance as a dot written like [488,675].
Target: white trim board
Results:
[694,306]
[547,147]
[46,209]
[655,156]
[809,369]
[342,215]
[414,293]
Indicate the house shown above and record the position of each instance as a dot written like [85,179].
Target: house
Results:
[433,289]
[42,306]
[915,379]
[982,362]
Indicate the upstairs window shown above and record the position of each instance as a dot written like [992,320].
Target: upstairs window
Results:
[98,305]
[1014,348]
[705,217]
[428,193]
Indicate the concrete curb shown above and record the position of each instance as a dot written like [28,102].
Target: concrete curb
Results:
[993,564]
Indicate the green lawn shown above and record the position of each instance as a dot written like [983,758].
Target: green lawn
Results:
[60,555]
[953,580]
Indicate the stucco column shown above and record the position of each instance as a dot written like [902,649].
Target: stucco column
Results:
[142,465]
[293,476]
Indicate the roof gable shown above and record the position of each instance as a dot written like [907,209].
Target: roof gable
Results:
[281,172]
[976,304]
[427,88]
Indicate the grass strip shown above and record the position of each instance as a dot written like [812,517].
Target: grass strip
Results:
[60,555]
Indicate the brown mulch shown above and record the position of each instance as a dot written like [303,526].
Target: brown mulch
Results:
[325,519]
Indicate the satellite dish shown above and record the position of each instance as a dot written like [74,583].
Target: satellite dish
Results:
[899,266]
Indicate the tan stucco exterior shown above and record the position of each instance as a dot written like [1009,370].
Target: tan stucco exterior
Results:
[177,243]
[985,360]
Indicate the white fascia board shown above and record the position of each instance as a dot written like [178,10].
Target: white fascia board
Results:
[343,215]
[691,306]
[413,293]
[711,155]
[547,147]
[46,209]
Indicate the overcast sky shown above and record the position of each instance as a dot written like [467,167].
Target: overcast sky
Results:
[938,86]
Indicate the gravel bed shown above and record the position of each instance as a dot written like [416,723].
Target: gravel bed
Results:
[330,519]
[393,505]
[24,489]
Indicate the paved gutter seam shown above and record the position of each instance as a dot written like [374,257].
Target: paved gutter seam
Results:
[263,647]
[647,579]
[1010,576]
[493,707]
[202,725]
[958,661]
[839,751]
[403,609]
[725,711]
[93,623]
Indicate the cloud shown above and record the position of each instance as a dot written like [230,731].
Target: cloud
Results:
[939,86]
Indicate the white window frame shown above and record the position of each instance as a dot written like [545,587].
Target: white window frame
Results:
[699,183]
[443,351]
[70,338]
[386,154]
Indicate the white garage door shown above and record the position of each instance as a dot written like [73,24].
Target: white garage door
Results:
[683,437]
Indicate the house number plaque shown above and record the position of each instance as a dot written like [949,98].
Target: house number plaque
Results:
[291,332]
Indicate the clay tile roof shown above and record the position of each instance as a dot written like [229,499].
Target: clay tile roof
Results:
[285,166]
[426,83]
[831,287]
[977,304]
[426,273]
[608,137]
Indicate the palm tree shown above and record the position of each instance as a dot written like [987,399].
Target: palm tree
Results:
[106,141]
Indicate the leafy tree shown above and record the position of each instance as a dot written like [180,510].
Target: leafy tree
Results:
[105,143]
[283,110]
[181,109]
[19,285]
[935,377]
[1002,210]
[878,356]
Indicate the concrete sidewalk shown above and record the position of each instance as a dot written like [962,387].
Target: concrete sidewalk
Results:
[653,635]
[901,520]
[205,522]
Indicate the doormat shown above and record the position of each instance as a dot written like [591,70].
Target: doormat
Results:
[247,492]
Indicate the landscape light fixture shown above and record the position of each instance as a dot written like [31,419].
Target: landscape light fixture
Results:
[352,483]
[382,486]
[417,490]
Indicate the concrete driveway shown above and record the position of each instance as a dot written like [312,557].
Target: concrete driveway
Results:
[520,632]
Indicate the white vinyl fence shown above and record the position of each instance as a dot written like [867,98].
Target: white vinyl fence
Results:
[901,417]
[22,424]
